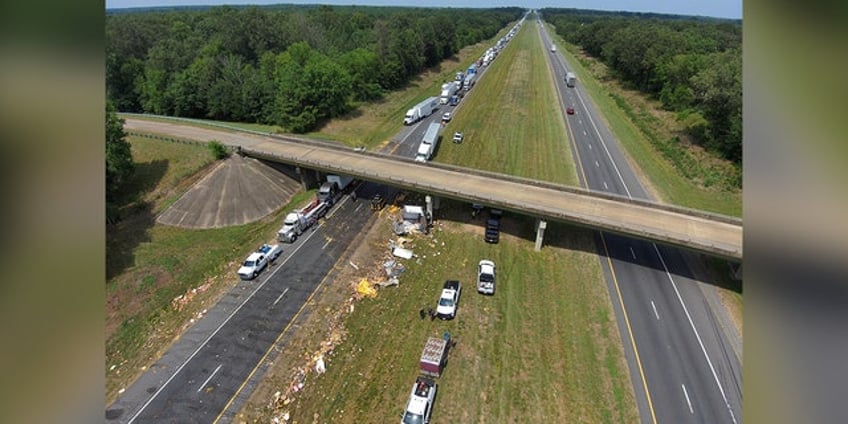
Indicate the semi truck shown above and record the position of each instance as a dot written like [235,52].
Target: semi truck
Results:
[335,185]
[421,110]
[570,79]
[428,143]
[299,221]
[448,90]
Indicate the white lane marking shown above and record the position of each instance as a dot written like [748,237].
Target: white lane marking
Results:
[590,146]
[585,133]
[655,310]
[603,144]
[326,244]
[580,121]
[632,253]
[691,411]
[697,336]
[281,295]
[357,208]
[606,187]
[230,316]
[597,164]
[210,377]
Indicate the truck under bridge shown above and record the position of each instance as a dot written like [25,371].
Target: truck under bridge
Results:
[706,232]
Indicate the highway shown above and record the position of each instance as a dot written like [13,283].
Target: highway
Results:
[682,365]
[195,380]
[715,234]
[208,374]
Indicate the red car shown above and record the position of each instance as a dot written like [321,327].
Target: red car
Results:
[569,110]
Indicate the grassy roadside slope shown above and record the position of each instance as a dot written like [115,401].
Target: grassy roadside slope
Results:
[148,265]
[634,127]
[511,119]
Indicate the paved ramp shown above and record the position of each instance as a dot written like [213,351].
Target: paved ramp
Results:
[239,190]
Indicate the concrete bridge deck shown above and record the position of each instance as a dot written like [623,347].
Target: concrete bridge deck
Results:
[702,231]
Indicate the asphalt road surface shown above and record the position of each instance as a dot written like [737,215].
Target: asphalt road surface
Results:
[196,379]
[682,364]
[211,370]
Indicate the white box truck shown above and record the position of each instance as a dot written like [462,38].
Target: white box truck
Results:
[448,90]
[428,143]
[570,78]
[421,110]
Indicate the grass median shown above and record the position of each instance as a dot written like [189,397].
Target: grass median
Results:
[511,119]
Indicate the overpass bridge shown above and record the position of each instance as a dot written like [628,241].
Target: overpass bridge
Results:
[714,234]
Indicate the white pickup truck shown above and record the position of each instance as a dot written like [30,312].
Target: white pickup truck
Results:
[446,308]
[258,260]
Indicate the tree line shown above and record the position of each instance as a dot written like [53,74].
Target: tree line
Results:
[291,66]
[692,65]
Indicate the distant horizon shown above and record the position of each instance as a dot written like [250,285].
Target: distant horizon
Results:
[721,9]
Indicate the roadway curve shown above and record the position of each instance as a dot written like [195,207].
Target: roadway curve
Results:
[715,234]
[683,363]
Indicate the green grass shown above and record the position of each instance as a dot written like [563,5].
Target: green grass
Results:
[208,123]
[374,124]
[149,265]
[511,119]
[633,130]
[544,347]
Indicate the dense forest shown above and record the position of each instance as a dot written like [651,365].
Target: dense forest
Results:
[692,65]
[291,66]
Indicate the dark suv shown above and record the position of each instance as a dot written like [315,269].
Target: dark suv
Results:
[492,234]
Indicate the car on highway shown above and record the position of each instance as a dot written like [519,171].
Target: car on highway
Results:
[457,137]
[446,117]
[569,110]
[448,300]
[486,277]
[493,229]
[420,404]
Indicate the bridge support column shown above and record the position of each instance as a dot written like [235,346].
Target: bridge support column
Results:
[736,271]
[428,209]
[300,173]
[541,224]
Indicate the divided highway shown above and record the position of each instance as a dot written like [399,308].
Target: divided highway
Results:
[715,234]
[682,365]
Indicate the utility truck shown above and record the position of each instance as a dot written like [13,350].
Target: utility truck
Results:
[299,221]
[420,404]
[421,110]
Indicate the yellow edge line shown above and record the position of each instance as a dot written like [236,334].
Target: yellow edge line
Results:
[277,341]
[612,272]
[629,331]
